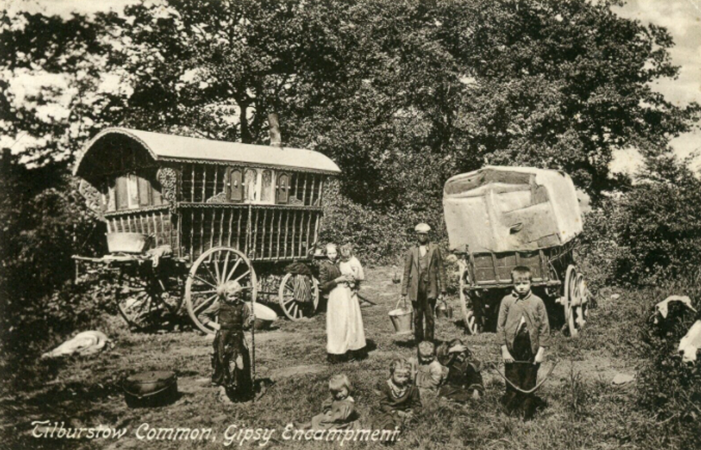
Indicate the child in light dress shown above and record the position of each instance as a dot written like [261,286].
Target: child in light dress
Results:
[339,411]
[350,265]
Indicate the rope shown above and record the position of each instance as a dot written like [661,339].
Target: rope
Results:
[537,386]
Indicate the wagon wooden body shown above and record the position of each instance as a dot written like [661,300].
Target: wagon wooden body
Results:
[217,211]
[499,218]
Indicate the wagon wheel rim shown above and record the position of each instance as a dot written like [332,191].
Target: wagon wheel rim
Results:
[212,269]
[569,297]
[291,307]
[469,317]
[580,311]
[135,302]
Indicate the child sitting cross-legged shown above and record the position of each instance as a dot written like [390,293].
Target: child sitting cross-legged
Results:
[429,373]
[339,411]
[464,378]
[399,397]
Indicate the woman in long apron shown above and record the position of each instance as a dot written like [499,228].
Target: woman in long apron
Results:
[351,267]
[335,284]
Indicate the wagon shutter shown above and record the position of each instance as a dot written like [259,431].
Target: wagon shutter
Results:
[121,193]
[144,192]
[283,188]
[235,185]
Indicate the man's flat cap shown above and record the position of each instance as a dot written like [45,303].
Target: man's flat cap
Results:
[422,228]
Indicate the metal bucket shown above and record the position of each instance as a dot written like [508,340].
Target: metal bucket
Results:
[402,318]
[126,242]
[443,310]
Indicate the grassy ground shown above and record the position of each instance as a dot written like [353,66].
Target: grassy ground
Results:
[584,410]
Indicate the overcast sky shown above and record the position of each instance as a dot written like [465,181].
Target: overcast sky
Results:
[681,17]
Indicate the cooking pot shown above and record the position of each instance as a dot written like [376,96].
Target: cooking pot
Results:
[153,388]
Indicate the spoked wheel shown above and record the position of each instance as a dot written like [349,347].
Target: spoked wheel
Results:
[575,300]
[145,297]
[291,296]
[468,311]
[212,269]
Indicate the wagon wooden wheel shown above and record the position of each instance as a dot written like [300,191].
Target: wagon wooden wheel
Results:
[575,300]
[144,297]
[468,312]
[294,307]
[212,269]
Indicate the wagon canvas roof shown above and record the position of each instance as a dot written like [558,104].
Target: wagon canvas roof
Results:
[167,147]
[503,209]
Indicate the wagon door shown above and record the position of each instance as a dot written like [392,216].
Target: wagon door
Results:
[235,185]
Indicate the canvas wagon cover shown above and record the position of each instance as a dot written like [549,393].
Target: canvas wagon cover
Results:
[502,209]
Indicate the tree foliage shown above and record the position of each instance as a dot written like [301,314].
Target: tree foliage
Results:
[659,225]
[401,94]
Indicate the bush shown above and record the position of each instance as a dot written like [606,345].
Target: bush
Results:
[668,387]
[659,228]
[44,222]
[379,236]
[599,252]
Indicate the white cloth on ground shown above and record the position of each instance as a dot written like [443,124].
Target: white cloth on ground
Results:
[84,343]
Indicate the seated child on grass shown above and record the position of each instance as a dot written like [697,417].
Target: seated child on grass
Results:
[464,380]
[429,373]
[399,397]
[231,361]
[523,332]
[339,409]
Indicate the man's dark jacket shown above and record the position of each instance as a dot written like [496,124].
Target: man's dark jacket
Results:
[436,273]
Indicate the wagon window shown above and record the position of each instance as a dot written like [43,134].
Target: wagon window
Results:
[235,185]
[250,184]
[266,191]
[283,188]
[132,192]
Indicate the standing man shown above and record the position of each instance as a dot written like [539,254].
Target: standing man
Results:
[423,281]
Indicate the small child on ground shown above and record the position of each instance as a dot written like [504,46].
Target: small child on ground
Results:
[339,411]
[231,360]
[464,380]
[523,332]
[429,373]
[399,397]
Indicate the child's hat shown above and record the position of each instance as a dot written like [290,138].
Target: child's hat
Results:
[422,228]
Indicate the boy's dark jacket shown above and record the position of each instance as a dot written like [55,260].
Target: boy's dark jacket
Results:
[436,272]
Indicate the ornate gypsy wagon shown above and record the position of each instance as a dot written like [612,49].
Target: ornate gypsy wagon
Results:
[185,215]
[502,217]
